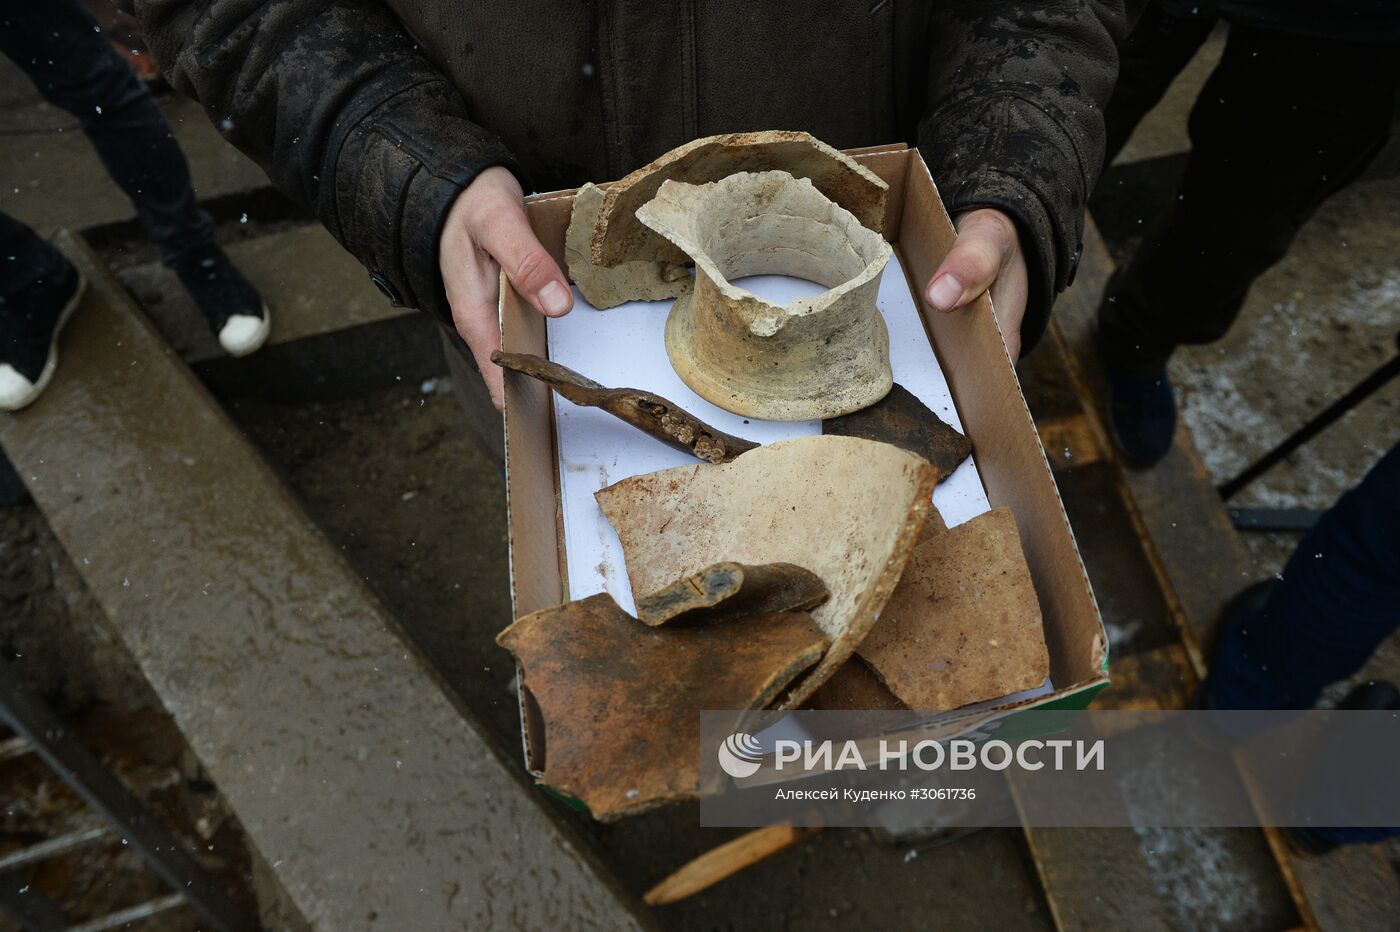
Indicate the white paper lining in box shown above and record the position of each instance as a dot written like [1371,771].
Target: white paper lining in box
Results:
[624,347]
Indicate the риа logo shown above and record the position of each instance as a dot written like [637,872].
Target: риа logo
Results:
[740,755]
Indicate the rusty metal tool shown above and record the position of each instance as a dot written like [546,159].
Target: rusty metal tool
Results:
[648,412]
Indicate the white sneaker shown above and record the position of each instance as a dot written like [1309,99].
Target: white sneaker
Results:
[29,341]
[227,299]
[243,333]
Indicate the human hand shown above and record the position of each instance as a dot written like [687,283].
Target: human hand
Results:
[486,231]
[986,255]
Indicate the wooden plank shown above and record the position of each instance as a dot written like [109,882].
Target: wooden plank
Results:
[375,798]
[1182,520]
[1165,675]
[724,861]
[1096,878]
[1161,678]
[1351,888]
[1093,878]
[1125,584]
[1201,563]
[1069,442]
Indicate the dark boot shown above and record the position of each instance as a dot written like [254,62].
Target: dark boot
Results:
[1141,418]
[30,322]
[233,307]
[1141,411]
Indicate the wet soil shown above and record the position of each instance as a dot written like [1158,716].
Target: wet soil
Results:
[145,750]
[54,637]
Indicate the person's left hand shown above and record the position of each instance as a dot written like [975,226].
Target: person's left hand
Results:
[986,255]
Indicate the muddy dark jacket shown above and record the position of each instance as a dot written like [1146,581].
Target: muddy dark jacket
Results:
[375,113]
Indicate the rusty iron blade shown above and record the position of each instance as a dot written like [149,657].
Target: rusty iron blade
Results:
[648,412]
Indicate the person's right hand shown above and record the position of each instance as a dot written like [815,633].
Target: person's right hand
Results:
[486,231]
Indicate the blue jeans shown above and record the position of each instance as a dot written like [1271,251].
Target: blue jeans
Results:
[1338,600]
[58,45]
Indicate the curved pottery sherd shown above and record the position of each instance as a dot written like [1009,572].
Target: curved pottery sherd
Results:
[847,510]
[606,287]
[617,236]
[815,357]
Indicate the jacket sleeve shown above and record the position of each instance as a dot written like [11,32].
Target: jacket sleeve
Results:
[1015,121]
[342,111]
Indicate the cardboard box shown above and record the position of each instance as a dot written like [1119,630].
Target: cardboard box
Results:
[988,396]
